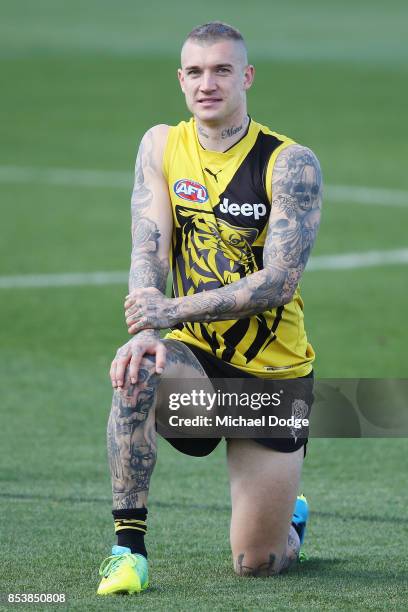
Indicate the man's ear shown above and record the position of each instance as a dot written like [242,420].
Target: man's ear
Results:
[249,76]
[180,77]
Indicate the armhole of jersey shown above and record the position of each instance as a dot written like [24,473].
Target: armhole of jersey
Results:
[166,168]
[166,152]
[271,163]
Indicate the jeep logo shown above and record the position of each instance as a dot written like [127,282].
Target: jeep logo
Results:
[247,210]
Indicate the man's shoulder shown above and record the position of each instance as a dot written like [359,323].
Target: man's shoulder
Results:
[154,142]
[298,153]
[287,141]
[284,145]
[287,156]
[161,130]
[158,132]
[268,131]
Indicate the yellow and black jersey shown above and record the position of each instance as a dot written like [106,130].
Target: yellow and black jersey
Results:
[221,204]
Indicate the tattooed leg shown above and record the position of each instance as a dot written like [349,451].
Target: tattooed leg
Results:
[264,485]
[132,438]
[131,427]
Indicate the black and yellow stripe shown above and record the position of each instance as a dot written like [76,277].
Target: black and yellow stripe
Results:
[128,523]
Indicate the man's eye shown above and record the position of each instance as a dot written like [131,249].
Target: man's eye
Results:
[223,70]
[192,72]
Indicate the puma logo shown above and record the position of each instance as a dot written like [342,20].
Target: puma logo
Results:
[212,173]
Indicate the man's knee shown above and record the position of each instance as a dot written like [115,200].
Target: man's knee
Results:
[147,374]
[138,396]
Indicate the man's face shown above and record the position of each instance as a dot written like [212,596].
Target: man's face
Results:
[214,79]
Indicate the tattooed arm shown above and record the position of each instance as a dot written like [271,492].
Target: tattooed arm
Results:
[293,225]
[151,236]
[151,215]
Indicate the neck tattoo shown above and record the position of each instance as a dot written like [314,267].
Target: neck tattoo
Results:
[202,132]
[231,131]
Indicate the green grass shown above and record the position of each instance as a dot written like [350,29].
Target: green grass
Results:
[81,82]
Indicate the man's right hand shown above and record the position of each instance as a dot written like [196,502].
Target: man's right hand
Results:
[132,353]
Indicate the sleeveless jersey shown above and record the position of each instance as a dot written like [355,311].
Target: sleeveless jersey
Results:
[221,204]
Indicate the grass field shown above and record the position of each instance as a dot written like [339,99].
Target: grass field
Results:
[81,82]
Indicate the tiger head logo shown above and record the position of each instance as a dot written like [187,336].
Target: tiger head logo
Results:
[213,252]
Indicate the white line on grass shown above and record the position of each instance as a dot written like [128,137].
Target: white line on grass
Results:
[351,261]
[346,261]
[63,280]
[116,178]
[366,195]
[65,176]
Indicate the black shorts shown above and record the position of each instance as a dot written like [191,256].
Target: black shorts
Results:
[216,368]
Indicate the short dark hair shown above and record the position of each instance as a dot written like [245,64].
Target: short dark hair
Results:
[215,30]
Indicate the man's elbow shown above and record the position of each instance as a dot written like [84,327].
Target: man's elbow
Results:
[281,287]
[281,299]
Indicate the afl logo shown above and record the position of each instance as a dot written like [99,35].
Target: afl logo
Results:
[190,190]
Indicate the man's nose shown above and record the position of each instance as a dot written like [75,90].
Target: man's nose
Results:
[208,82]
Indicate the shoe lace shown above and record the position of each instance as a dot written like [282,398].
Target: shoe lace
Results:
[111,564]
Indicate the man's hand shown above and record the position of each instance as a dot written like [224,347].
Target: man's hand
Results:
[132,353]
[149,309]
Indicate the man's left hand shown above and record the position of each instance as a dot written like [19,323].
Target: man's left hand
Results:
[149,308]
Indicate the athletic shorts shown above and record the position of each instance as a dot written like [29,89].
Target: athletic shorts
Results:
[216,368]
